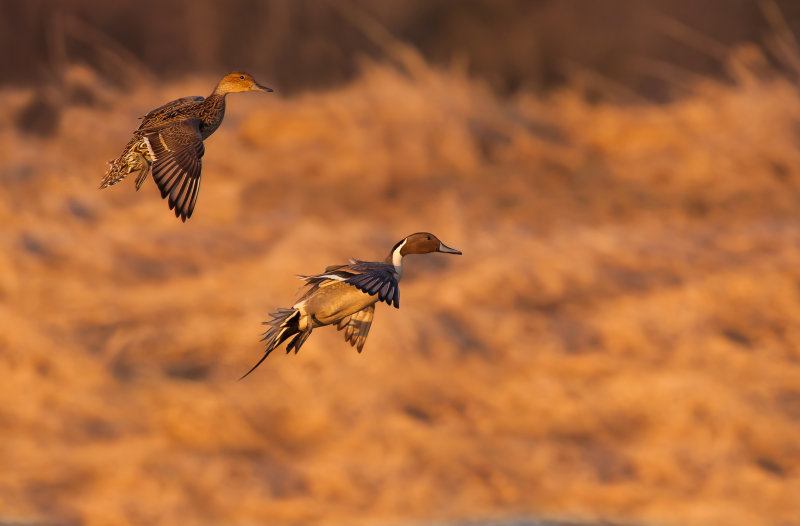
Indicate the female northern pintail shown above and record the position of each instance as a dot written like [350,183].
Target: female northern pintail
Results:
[170,141]
[346,295]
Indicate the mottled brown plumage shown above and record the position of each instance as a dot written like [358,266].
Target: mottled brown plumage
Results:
[169,143]
[345,295]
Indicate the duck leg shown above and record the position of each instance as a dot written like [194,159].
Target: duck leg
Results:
[144,170]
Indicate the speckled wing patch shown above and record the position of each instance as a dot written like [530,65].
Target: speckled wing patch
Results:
[163,112]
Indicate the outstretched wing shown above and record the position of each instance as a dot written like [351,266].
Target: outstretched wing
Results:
[375,279]
[370,277]
[356,326]
[176,150]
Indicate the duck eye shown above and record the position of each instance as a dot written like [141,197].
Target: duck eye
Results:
[241,77]
[429,238]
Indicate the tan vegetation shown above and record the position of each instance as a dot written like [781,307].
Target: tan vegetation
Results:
[619,340]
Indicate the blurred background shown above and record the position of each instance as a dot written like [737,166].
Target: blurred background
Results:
[619,343]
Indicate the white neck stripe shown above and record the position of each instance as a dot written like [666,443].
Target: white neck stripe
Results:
[397,257]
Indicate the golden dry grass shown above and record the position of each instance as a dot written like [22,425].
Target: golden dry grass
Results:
[619,340]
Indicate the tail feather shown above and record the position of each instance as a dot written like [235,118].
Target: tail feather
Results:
[284,324]
[135,158]
[115,173]
[298,341]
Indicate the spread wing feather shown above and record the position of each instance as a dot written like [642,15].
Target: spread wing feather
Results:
[372,278]
[356,327]
[376,279]
[176,149]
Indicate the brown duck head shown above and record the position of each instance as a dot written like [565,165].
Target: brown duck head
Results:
[419,243]
[239,81]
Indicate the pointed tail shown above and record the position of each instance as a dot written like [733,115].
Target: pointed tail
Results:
[284,324]
[134,158]
[113,175]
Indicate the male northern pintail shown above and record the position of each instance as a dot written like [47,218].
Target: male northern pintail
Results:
[346,295]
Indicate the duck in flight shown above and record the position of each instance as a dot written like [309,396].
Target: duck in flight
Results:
[345,296]
[169,143]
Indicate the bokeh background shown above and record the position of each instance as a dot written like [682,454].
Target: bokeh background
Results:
[619,343]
